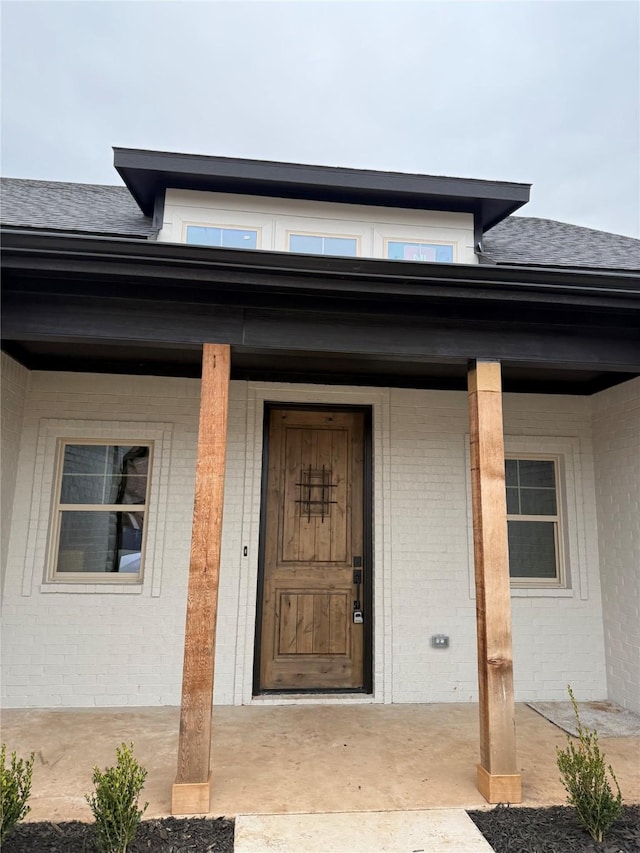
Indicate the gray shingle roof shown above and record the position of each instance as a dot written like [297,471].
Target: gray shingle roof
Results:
[96,209]
[82,208]
[545,242]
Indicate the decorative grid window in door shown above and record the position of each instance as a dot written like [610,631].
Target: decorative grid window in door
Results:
[315,492]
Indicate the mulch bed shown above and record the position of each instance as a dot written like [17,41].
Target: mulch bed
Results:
[508,830]
[554,830]
[169,835]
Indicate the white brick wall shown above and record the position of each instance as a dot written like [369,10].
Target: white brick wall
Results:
[117,648]
[557,634]
[15,379]
[616,442]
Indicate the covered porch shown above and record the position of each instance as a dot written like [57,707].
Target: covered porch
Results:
[297,758]
[442,346]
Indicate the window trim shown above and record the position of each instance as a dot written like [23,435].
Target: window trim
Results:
[579,538]
[298,232]
[560,580]
[235,227]
[419,240]
[57,508]
[39,479]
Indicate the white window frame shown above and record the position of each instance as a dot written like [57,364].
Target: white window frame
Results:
[37,522]
[228,227]
[560,580]
[578,537]
[299,232]
[58,508]
[420,240]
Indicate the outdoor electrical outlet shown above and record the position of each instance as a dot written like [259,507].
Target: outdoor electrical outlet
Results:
[440,641]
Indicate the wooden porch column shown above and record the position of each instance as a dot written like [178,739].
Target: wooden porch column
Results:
[191,791]
[498,779]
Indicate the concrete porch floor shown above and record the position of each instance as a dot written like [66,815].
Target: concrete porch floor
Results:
[296,758]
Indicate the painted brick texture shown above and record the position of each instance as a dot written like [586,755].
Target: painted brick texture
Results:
[15,379]
[125,647]
[616,443]
[121,647]
[557,635]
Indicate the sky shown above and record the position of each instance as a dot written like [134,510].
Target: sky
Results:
[540,92]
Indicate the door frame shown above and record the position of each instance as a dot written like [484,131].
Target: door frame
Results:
[367,555]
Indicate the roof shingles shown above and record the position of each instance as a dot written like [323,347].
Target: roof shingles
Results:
[108,210]
[81,208]
[545,242]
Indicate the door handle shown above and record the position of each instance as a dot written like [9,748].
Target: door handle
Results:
[357,580]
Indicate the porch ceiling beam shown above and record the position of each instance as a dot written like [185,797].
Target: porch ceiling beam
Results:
[122,298]
[191,791]
[498,778]
[36,317]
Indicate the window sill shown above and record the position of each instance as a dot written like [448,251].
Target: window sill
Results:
[540,592]
[108,588]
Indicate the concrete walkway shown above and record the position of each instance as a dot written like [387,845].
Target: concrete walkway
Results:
[433,831]
[278,759]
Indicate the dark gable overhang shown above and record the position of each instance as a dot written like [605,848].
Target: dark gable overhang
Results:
[147,174]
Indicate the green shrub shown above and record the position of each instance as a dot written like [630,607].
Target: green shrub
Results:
[114,802]
[584,776]
[16,788]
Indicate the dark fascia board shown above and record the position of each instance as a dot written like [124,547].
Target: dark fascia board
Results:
[147,174]
[116,235]
[182,264]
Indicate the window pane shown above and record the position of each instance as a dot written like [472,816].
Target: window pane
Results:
[537,501]
[532,549]
[444,254]
[85,458]
[511,471]
[340,246]
[204,236]
[305,244]
[103,474]
[313,244]
[537,472]
[429,252]
[236,238]
[79,489]
[395,251]
[513,502]
[100,542]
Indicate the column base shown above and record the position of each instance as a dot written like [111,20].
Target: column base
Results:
[191,797]
[499,788]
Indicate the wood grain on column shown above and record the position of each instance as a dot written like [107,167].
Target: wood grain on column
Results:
[498,777]
[191,789]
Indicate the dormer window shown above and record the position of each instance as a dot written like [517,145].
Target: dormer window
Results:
[439,253]
[318,244]
[232,238]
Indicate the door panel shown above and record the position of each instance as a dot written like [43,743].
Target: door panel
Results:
[313,529]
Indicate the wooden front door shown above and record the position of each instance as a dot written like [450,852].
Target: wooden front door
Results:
[313,544]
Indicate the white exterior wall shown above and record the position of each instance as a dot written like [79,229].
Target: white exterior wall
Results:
[65,646]
[275,218]
[15,379]
[616,442]
[557,634]
[90,644]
